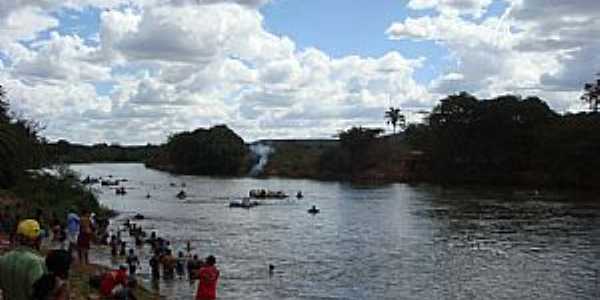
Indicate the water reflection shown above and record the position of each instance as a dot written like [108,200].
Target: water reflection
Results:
[389,242]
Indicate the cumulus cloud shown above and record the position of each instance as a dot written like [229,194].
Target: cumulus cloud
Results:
[533,48]
[159,66]
[452,7]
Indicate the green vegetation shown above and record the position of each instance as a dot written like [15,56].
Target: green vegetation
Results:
[508,140]
[214,151]
[591,94]
[20,146]
[65,152]
[296,158]
[395,118]
[22,157]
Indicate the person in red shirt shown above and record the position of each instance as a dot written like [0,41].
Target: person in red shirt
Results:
[207,280]
[111,279]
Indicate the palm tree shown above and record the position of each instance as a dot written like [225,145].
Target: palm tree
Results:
[592,94]
[395,118]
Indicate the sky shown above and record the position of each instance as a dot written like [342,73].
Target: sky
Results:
[135,71]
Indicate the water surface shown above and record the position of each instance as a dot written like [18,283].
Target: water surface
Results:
[388,242]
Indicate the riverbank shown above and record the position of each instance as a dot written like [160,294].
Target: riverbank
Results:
[79,278]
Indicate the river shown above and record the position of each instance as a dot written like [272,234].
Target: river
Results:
[388,242]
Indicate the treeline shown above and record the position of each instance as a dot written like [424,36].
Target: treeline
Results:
[24,186]
[65,152]
[214,151]
[508,140]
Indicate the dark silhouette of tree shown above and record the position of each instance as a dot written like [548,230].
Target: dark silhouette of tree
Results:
[20,146]
[214,151]
[395,118]
[356,138]
[591,94]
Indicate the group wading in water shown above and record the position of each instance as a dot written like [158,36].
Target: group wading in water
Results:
[38,254]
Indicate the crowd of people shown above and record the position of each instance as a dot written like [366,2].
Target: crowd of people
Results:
[25,274]
[163,263]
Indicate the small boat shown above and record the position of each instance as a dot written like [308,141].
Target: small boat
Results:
[245,203]
[313,210]
[138,217]
[299,195]
[148,196]
[181,195]
[267,194]
[109,182]
[90,180]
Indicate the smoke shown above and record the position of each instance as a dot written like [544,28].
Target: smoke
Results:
[261,151]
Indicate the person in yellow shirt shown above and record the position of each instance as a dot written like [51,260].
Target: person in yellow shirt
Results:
[23,266]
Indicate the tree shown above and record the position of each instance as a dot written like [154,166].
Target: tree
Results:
[591,94]
[214,151]
[20,146]
[395,118]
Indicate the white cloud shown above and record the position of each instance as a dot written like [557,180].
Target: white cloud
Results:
[178,64]
[533,48]
[453,7]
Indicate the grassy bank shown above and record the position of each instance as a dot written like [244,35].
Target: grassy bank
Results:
[51,194]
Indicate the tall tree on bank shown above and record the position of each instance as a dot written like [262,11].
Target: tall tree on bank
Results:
[591,94]
[20,146]
[395,118]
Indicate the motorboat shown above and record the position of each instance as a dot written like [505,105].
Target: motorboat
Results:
[245,203]
[267,194]
[109,182]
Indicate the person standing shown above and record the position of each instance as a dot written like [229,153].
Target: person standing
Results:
[155,266]
[72,230]
[133,262]
[85,238]
[23,266]
[207,280]
[169,263]
[180,265]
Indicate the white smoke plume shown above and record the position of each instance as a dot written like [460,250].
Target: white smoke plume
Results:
[262,151]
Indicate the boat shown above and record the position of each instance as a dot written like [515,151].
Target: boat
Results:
[313,210]
[267,194]
[90,180]
[299,195]
[109,182]
[245,203]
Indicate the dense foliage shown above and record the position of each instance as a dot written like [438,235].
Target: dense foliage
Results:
[508,140]
[214,151]
[20,146]
[22,155]
[353,153]
[65,152]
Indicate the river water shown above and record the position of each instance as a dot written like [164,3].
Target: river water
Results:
[388,242]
